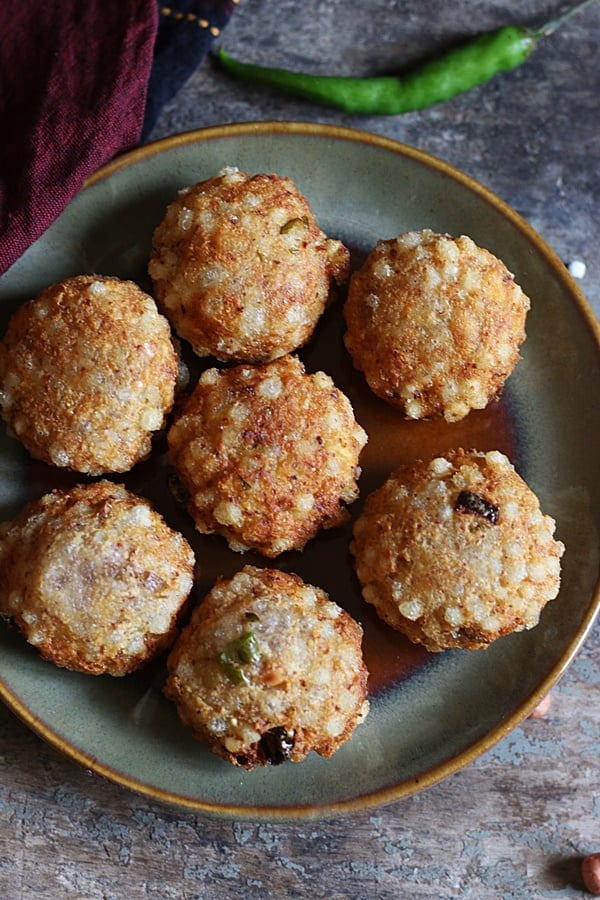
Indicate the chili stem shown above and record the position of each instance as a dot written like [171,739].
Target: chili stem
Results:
[550,27]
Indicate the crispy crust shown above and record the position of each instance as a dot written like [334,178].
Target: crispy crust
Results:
[87,374]
[268,455]
[242,269]
[450,575]
[306,675]
[435,323]
[94,578]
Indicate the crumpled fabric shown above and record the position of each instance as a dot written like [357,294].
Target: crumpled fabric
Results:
[186,32]
[80,82]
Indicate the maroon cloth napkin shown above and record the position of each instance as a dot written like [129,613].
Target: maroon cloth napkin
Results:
[73,81]
[81,81]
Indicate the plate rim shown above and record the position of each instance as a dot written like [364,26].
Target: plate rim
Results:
[407,787]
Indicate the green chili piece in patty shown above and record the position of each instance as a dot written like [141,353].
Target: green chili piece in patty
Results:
[245,649]
[233,670]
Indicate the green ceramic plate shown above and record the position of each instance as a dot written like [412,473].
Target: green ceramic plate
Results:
[430,714]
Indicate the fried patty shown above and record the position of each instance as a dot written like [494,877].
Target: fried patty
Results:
[88,373]
[268,455]
[435,324]
[269,669]
[241,268]
[455,552]
[94,578]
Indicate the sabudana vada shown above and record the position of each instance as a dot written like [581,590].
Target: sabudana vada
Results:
[435,323]
[241,268]
[94,578]
[88,373]
[455,552]
[269,669]
[268,455]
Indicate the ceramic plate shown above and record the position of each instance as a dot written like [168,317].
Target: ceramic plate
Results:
[430,714]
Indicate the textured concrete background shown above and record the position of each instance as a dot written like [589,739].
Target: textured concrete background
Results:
[516,822]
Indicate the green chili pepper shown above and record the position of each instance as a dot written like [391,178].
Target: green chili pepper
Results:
[455,72]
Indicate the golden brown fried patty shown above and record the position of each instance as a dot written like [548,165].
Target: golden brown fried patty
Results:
[435,323]
[268,454]
[242,269]
[94,578]
[87,374]
[269,669]
[455,552]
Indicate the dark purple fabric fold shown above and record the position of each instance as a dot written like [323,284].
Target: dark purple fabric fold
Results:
[73,83]
[80,82]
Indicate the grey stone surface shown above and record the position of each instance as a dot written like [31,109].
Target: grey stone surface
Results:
[515,823]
